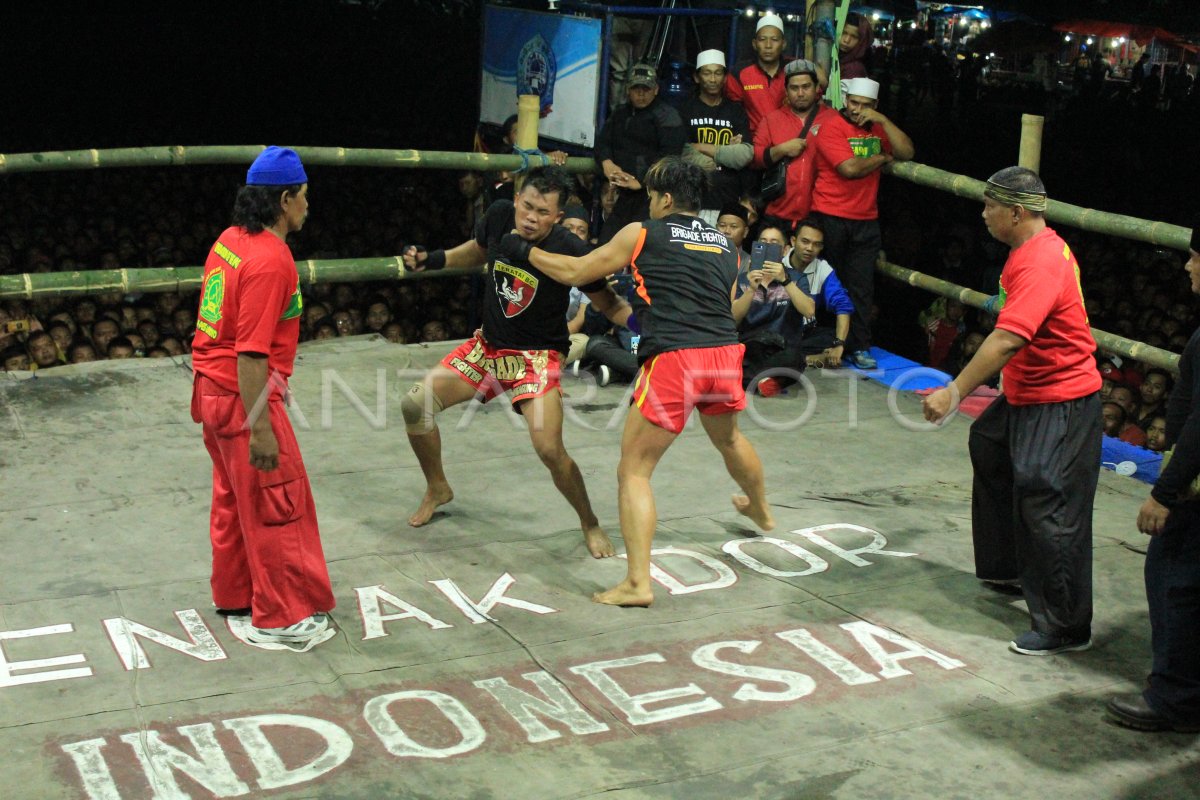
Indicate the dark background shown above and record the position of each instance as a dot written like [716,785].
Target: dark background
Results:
[405,74]
[303,72]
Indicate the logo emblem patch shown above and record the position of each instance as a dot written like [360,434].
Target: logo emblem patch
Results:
[515,288]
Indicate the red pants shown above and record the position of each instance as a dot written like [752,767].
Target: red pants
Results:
[265,544]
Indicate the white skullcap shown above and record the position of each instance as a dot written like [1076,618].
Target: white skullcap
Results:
[769,19]
[709,57]
[862,87]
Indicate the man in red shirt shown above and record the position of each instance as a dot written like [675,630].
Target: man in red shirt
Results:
[1036,449]
[785,134]
[851,147]
[267,557]
[758,84]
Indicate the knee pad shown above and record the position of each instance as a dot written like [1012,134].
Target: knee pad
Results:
[418,407]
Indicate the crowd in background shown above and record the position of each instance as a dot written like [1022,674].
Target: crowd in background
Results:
[108,219]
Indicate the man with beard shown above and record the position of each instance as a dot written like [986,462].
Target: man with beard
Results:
[786,134]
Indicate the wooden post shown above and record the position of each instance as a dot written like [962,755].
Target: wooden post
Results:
[529,110]
[1030,156]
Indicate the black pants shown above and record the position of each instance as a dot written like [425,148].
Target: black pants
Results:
[608,351]
[1036,469]
[630,207]
[784,360]
[1173,592]
[851,247]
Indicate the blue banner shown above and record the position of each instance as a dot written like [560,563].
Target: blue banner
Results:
[554,56]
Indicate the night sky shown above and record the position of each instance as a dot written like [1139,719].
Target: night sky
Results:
[308,72]
[399,74]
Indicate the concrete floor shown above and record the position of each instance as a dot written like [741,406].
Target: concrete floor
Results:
[850,654]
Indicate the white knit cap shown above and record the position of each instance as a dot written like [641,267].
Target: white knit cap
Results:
[769,19]
[862,87]
[708,57]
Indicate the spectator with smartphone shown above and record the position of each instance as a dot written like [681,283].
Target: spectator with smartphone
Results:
[770,311]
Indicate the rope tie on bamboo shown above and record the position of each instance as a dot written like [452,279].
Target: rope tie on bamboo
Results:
[1030,201]
[525,156]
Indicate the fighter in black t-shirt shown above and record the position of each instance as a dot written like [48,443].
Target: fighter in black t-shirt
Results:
[684,273]
[518,351]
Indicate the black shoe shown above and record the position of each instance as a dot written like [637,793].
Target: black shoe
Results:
[1132,711]
[1002,585]
[233,612]
[1032,643]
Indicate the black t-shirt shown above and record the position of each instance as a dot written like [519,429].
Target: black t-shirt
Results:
[717,125]
[524,309]
[684,271]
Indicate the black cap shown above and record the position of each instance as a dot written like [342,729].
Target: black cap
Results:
[735,210]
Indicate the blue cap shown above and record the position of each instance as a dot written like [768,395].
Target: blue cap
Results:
[276,166]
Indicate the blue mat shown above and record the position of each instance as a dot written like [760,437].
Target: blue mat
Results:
[903,374]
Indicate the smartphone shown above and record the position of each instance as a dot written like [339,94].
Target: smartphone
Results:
[761,252]
[15,326]
[623,284]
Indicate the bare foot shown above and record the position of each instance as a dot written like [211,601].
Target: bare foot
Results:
[429,503]
[623,594]
[759,516]
[598,543]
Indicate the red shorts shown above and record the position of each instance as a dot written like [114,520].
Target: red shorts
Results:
[520,374]
[671,384]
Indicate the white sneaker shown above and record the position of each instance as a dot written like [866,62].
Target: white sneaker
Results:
[296,633]
[574,369]
[605,375]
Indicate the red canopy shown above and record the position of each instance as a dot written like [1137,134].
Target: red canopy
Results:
[1141,34]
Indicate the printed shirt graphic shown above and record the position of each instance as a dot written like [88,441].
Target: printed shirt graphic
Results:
[1043,304]
[837,140]
[515,288]
[717,125]
[684,271]
[527,310]
[250,303]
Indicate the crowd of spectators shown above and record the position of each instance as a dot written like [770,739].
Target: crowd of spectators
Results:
[112,219]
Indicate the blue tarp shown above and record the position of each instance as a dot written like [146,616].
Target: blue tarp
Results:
[903,374]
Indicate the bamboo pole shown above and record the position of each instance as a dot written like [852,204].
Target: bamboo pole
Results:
[1159,233]
[1111,342]
[183,279]
[529,110]
[1030,155]
[1174,237]
[243,154]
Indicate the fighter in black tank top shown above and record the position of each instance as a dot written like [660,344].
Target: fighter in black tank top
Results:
[684,271]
